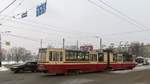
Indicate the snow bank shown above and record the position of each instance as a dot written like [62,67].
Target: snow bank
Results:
[138,68]
[77,81]
[148,59]
[3,68]
[11,62]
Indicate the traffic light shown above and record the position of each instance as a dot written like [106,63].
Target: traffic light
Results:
[7,43]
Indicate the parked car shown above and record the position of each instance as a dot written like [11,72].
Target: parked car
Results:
[142,61]
[28,66]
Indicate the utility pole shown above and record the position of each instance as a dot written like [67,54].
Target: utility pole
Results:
[100,44]
[77,45]
[0,51]
[63,43]
[41,43]
[120,46]
[126,46]
[1,45]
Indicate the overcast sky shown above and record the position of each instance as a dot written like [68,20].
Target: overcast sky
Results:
[74,20]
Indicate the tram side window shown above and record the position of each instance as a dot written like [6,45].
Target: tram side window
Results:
[55,56]
[93,57]
[127,58]
[86,56]
[71,56]
[61,56]
[80,56]
[67,56]
[120,58]
[100,57]
[115,58]
[77,56]
[83,56]
[50,56]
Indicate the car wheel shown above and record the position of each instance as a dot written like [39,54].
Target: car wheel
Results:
[16,71]
[33,71]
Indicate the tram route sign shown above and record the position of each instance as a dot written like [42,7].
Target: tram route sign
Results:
[25,14]
[41,9]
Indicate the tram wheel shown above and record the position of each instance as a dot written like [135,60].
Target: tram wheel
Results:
[74,72]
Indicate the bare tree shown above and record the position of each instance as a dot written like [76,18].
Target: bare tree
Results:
[136,48]
[19,54]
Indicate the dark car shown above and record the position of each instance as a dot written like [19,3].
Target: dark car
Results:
[28,66]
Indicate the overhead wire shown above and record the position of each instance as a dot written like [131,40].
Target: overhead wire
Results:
[121,13]
[57,27]
[26,28]
[7,6]
[35,40]
[48,27]
[129,32]
[41,26]
[117,15]
[23,37]
[13,10]
[18,36]
[52,27]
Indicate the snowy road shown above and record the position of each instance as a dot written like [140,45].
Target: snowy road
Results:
[138,68]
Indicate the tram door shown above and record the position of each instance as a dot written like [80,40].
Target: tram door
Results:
[108,57]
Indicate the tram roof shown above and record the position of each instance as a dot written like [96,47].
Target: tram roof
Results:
[62,49]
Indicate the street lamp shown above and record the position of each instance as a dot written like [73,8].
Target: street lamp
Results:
[120,45]
[1,45]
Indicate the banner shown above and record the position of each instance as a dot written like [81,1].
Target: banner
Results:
[25,14]
[41,9]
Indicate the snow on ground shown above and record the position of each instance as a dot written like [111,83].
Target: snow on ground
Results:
[11,62]
[148,59]
[3,68]
[138,68]
[77,81]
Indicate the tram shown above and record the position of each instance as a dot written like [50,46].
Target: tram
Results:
[64,61]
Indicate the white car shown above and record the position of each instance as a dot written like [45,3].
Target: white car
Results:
[142,61]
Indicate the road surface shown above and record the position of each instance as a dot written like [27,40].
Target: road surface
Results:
[138,77]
